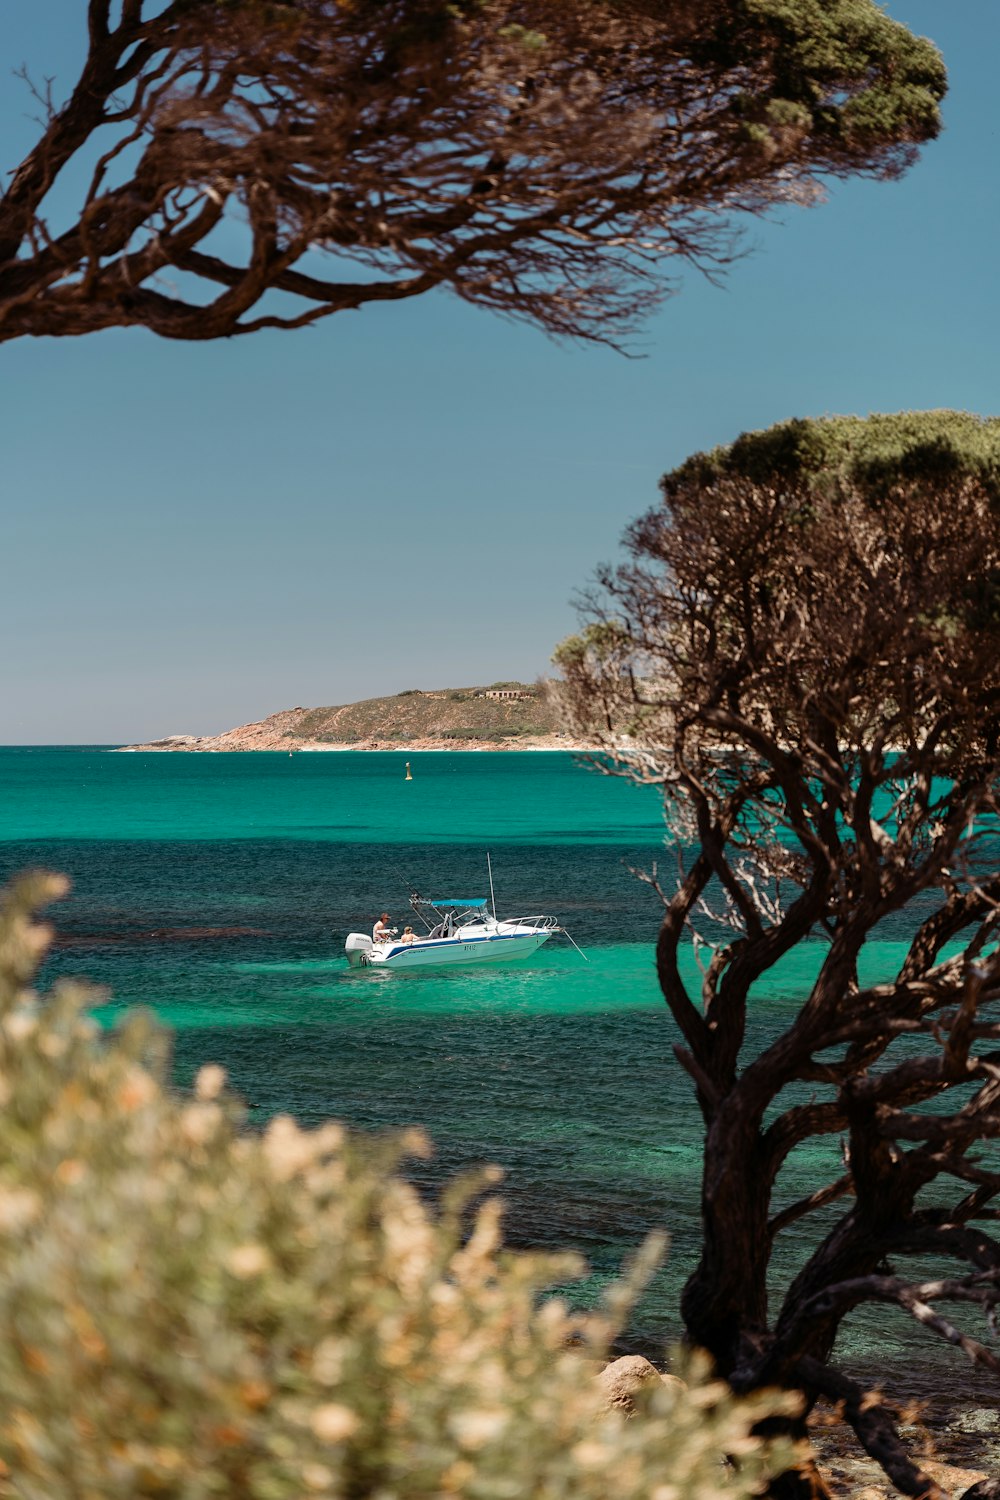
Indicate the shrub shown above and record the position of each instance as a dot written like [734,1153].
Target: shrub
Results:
[191,1311]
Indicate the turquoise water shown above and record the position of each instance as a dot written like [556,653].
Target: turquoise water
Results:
[218,889]
[343,798]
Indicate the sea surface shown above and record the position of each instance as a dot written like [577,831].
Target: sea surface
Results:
[219,889]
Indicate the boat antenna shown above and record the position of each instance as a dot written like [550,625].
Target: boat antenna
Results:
[493,899]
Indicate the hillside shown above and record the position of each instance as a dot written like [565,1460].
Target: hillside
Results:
[504,715]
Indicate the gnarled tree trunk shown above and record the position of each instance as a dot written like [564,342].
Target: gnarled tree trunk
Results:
[805,656]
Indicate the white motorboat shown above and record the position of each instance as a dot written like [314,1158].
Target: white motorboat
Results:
[456,931]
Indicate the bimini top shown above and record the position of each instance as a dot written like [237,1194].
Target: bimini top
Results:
[464,902]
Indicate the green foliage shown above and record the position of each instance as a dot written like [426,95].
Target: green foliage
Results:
[844,72]
[532,41]
[603,640]
[872,452]
[190,1311]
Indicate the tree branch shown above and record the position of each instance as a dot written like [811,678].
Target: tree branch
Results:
[819,1199]
[874,1427]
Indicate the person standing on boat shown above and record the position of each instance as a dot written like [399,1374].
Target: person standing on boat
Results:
[382,932]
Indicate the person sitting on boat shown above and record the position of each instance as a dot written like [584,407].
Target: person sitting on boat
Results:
[382,932]
[409,936]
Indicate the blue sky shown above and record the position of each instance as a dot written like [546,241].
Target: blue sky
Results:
[196,536]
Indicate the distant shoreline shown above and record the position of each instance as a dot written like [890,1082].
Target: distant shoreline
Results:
[549,743]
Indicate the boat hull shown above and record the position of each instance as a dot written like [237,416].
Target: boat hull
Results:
[495,948]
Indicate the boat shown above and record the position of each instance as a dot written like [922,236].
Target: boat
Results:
[457,930]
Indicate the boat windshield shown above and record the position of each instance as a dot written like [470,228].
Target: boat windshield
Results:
[441,917]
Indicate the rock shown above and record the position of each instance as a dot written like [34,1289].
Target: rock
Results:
[620,1380]
[955,1481]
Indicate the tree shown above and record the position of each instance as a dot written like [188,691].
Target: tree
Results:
[536,157]
[803,650]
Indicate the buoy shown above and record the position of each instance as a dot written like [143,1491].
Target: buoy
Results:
[409,773]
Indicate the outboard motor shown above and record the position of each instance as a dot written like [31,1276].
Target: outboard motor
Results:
[358,948]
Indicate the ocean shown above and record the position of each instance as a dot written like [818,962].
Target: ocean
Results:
[218,890]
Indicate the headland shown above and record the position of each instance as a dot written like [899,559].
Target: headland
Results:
[502,716]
